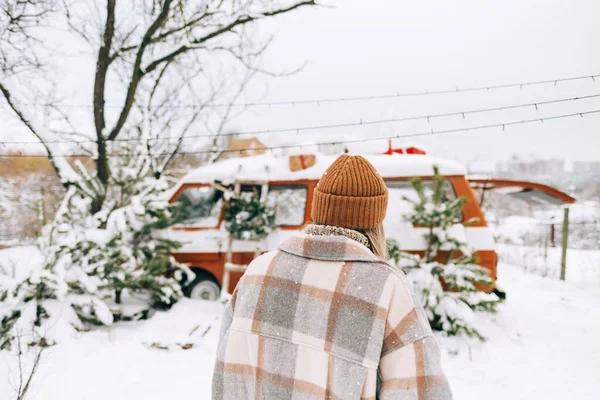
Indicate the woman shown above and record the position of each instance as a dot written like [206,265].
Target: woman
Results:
[325,317]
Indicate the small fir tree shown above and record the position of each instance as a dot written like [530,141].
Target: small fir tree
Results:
[93,259]
[446,283]
[120,248]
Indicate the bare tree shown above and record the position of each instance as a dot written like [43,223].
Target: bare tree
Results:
[18,20]
[20,55]
[159,63]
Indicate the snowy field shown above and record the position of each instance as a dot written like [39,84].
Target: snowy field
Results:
[582,265]
[543,344]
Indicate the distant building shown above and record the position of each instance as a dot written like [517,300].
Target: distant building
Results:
[586,167]
[243,147]
[549,171]
[532,167]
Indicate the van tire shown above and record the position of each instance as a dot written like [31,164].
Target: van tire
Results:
[203,287]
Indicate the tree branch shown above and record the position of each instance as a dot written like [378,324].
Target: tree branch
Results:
[102,65]
[156,83]
[168,33]
[123,49]
[61,166]
[227,28]
[36,363]
[74,28]
[137,73]
[247,18]
[168,58]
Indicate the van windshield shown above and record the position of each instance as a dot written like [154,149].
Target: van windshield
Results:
[201,206]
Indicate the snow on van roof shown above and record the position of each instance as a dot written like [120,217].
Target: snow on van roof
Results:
[276,168]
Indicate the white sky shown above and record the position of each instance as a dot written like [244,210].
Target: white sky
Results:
[379,47]
[382,47]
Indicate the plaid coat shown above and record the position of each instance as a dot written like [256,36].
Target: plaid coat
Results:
[323,318]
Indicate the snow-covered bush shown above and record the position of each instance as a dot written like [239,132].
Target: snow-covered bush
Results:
[93,259]
[118,248]
[35,309]
[447,277]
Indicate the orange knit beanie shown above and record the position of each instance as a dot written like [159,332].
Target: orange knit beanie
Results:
[350,194]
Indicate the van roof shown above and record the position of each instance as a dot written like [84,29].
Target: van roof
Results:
[268,167]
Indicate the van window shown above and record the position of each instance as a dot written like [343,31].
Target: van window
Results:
[398,190]
[289,202]
[201,206]
[249,191]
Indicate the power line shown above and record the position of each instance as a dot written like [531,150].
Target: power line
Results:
[362,140]
[330,126]
[457,89]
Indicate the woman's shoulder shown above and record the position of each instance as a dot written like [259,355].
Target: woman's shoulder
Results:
[262,262]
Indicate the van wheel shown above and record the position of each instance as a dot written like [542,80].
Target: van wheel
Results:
[204,287]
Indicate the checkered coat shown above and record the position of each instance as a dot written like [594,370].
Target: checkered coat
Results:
[323,318]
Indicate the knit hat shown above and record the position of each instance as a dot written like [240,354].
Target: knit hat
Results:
[350,194]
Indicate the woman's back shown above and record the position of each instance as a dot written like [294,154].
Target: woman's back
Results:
[315,320]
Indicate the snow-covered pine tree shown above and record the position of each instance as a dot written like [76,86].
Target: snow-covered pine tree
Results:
[25,308]
[94,260]
[119,249]
[445,281]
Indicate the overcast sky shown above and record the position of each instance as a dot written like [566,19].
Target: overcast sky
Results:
[378,47]
[383,47]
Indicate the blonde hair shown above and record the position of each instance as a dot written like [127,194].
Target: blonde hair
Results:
[377,242]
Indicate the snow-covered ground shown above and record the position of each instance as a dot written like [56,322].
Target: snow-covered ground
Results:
[543,344]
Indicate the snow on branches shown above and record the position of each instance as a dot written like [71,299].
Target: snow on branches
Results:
[97,262]
[447,277]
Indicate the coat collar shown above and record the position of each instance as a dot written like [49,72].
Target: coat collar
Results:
[327,230]
[328,248]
